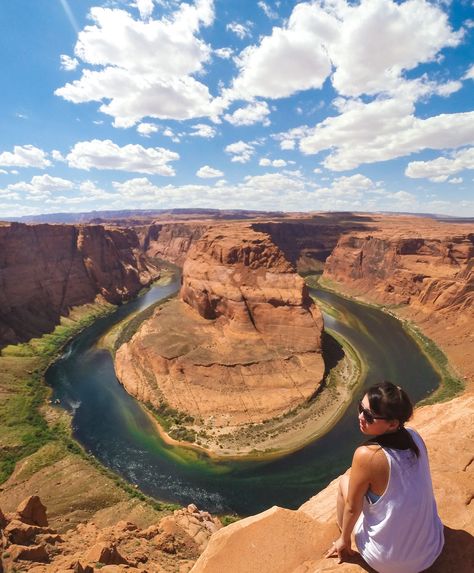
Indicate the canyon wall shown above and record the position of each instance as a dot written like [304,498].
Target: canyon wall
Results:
[47,269]
[171,241]
[242,345]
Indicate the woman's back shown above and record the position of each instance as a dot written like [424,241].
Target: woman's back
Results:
[401,532]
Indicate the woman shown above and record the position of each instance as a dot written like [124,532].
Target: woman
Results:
[387,499]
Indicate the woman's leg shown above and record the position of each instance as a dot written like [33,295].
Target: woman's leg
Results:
[341,498]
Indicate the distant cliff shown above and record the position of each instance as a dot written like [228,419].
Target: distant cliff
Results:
[171,241]
[47,269]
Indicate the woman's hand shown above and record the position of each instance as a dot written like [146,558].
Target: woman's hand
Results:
[342,549]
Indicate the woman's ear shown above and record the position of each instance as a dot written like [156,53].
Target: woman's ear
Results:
[393,425]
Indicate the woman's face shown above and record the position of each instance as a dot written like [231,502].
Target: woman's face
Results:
[378,426]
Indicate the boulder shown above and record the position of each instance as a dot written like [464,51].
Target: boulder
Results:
[106,553]
[36,553]
[32,511]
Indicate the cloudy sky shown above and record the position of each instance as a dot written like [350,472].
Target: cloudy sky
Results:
[281,105]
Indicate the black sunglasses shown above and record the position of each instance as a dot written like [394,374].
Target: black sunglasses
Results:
[369,417]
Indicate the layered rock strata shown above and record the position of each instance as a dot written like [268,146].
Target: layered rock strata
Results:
[423,269]
[171,241]
[242,345]
[47,269]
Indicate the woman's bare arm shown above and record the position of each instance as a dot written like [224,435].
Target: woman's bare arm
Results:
[359,482]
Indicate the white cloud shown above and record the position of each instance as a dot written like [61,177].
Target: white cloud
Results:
[257,112]
[203,130]
[438,170]
[41,186]
[455,180]
[290,60]
[207,172]
[377,40]
[469,75]
[269,13]
[98,154]
[265,162]
[146,129]
[25,156]
[67,63]
[145,7]
[238,29]
[241,152]
[146,67]
[57,155]
[287,144]
[381,130]
[224,53]
[3,172]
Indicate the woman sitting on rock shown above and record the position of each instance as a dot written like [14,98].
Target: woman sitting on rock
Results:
[387,498]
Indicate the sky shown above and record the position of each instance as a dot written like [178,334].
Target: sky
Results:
[242,104]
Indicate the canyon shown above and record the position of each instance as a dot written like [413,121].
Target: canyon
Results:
[45,270]
[239,286]
[240,346]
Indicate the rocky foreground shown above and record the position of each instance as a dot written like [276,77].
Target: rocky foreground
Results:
[243,343]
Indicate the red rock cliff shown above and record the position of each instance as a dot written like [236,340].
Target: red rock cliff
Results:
[47,269]
[244,343]
[171,241]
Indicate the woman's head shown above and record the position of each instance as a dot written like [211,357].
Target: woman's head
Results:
[384,408]
[390,402]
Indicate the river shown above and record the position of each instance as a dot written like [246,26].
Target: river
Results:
[113,427]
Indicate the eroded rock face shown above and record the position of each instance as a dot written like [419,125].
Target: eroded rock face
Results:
[47,269]
[243,345]
[172,241]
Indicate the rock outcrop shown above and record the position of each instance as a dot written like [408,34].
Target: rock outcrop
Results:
[284,541]
[173,542]
[244,343]
[47,269]
[171,241]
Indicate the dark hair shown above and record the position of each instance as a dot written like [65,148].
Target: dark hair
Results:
[392,403]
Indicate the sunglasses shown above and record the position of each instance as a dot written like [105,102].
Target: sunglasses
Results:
[369,417]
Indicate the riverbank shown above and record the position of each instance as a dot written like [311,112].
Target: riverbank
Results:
[450,369]
[280,436]
[37,451]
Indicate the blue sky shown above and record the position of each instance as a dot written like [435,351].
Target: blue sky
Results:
[276,105]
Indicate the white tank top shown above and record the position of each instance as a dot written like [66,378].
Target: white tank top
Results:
[402,532]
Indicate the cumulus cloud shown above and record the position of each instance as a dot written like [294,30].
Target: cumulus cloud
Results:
[455,180]
[251,114]
[145,67]
[469,75]
[105,154]
[146,129]
[238,29]
[438,170]
[224,53]
[67,63]
[206,172]
[203,130]
[291,59]
[381,130]
[41,186]
[265,162]
[25,156]
[240,151]
[145,7]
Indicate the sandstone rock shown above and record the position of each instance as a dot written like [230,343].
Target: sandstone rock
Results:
[19,533]
[245,347]
[32,511]
[172,241]
[105,553]
[31,553]
[277,540]
[3,520]
[48,269]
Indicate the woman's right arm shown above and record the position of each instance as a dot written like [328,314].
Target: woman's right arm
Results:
[359,483]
